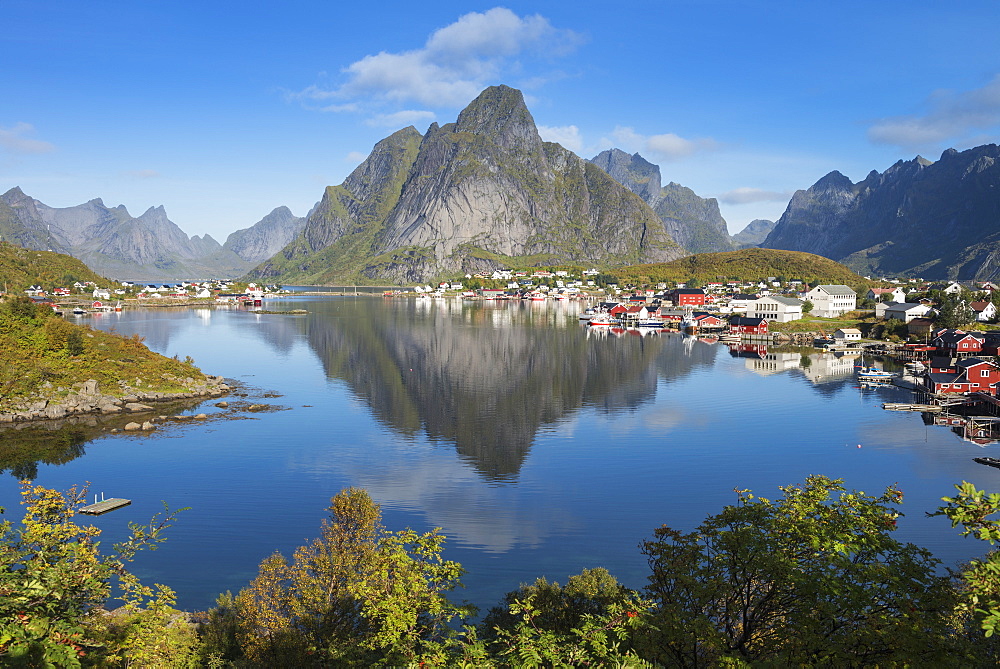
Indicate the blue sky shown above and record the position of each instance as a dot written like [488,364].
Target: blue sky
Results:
[221,111]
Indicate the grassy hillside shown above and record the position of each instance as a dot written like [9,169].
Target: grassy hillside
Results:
[745,265]
[21,267]
[43,355]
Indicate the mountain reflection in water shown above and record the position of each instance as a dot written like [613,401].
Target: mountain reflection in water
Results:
[539,446]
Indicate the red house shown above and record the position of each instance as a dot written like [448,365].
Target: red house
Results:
[958,343]
[708,321]
[744,325]
[971,375]
[688,297]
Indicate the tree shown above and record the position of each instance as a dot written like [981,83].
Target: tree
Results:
[53,578]
[556,608]
[971,508]
[357,594]
[807,306]
[953,312]
[813,577]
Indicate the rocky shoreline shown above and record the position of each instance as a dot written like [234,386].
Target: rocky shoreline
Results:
[86,398]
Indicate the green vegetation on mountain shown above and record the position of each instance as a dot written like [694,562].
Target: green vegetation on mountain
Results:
[814,578]
[751,264]
[21,268]
[43,355]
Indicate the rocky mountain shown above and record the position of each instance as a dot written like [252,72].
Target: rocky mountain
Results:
[266,237]
[480,193]
[754,234]
[937,220]
[694,222]
[149,247]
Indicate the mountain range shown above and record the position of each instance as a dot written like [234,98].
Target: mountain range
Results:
[478,194]
[149,247]
[486,192]
[936,220]
[693,222]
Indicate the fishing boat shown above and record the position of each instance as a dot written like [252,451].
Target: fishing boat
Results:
[650,323]
[874,374]
[990,462]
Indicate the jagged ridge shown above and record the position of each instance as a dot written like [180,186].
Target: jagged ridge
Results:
[464,196]
[936,220]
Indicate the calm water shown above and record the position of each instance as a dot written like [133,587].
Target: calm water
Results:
[540,448]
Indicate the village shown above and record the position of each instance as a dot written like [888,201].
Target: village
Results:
[940,332]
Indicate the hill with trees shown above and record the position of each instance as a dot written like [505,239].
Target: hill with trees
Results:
[745,265]
[46,359]
[21,267]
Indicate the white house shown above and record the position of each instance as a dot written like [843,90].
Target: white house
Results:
[887,294]
[904,311]
[102,294]
[985,311]
[832,301]
[847,334]
[953,288]
[775,308]
[740,303]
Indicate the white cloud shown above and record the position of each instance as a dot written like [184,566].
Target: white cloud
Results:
[455,64]
[14,140]
[566,135]
[401,118]
[672,147]
[355,157]
[667,147]
[749,195]
[951,117]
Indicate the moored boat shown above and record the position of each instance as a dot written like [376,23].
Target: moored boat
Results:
[874,374]
[603,319]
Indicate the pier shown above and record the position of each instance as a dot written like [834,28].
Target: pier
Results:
[105,505]
[929,408]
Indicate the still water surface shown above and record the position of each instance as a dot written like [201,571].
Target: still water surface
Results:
[538,447]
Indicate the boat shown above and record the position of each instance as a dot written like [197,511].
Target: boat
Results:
[587,314]
[603,319]
[914,367]
[990,462]
[650,323]
[874,374]
[79,311]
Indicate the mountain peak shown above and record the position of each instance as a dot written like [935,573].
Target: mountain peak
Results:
[500,113]
[833,181]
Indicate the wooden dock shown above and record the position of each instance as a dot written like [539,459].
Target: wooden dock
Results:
[105,505]
[929,408]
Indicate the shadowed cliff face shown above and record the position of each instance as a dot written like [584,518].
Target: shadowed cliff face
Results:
[487,379]
[937,220]
[693,222]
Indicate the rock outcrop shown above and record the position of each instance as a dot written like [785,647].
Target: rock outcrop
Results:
[87,398]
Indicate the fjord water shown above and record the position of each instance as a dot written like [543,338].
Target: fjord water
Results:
[539,447]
